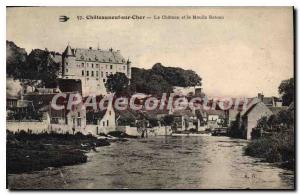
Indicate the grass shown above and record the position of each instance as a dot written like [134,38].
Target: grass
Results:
[276,148]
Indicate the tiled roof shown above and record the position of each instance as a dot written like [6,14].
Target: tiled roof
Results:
[103,56]
[68,51]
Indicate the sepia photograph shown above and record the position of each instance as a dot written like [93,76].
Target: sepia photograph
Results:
[150,98]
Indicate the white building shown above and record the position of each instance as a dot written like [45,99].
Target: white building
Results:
[93,67]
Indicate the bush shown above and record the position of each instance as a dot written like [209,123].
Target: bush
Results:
[278,147]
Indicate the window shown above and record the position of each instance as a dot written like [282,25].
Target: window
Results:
[78,114]
[107,123]
[111,66]
[82,65]
[87,64]
[101,74]
[124,67]
[79,122]
[92,65]
[66,63]
[73,121]
[82,72]
[106,73]
[97,65]
[109,112]
[103,124]
[66,70]
[92,73]
[104,80]
[97,74]
[87,73]
[106,66]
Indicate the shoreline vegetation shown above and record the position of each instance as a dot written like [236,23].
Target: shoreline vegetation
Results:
[27,152]
[277,149]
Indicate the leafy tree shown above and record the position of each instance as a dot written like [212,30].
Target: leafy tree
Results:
[117,83]
[15,60]
[177,76]
[38,65]
[287,90]
[41,66]
[160,79]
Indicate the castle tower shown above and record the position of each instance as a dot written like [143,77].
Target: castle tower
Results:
[68,61]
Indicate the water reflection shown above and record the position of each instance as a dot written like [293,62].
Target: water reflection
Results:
[168,163]
[177,162]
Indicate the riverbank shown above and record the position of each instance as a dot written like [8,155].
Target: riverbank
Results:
[278,148]
[33,152]
[163,162]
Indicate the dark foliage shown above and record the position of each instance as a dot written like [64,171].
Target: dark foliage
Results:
[38,65]
[287,90]
[117,83]
[235,128]
[168,120]
[162,79]
[15,59]
[31,152]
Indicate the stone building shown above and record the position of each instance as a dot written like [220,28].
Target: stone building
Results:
[92,67]
[251,116]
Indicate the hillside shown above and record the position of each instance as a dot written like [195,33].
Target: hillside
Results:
[38,65]
[160,79]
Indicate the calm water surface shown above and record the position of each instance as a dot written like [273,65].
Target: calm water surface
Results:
[164,163]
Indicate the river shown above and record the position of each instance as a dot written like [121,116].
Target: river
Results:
[164,163]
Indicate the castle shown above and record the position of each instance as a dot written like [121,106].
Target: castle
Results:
[92,67]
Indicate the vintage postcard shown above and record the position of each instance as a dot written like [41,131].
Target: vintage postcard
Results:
[150,98]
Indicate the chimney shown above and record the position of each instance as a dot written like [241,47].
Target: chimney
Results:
[260,96]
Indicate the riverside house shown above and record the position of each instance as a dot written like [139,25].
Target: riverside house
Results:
[250,117]
[100,121]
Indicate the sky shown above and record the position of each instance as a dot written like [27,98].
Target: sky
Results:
[248,51]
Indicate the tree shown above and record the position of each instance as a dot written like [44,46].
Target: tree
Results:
[287,90]
[38,65]
[41,66]
[15,60]
[160,79]
[117,83]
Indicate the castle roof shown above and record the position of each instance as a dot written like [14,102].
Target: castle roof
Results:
[68,51]
[104,56]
